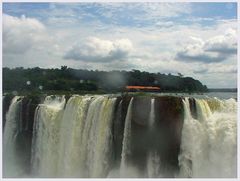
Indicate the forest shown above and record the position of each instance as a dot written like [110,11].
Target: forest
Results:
[78,80]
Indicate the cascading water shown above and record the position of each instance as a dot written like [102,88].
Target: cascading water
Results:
[221,129]
[46,136]
[209,147]
[192,133]
[104,136]
[11,162]
[152,113]
[71,132]
[124,168]
[153,165]
[97,138]
[153,160]
[74,142]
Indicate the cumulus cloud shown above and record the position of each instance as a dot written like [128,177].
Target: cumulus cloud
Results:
[99,50]
[215,49]
[19,34]
[225,44]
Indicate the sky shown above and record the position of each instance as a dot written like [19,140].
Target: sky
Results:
[195,39]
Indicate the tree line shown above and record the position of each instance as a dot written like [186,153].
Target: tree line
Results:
[69,79]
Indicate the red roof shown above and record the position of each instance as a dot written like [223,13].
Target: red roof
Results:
[143,87]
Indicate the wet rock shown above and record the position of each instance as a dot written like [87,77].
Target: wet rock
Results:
[118,126]
[164,137]
[193,108]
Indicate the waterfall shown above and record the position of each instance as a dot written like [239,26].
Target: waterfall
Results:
[153,158]
[152,113]
[191,144]
[208,147]
[75,141]
[71,131]
[46,136]
[221,129]
[153,165]
[126,142]
[97,136]
[11,162]
[89,136]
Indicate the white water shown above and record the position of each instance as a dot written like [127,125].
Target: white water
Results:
[71,133]
[125,168]
[209,144]
[152,113]
[153,159]
[97,137]
[11,165]
[75,141]
[46,136]
[153,165]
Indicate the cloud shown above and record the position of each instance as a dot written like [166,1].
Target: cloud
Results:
[126,14]
[219,69]
[164,24]
[19,34]
[215,49]
[225,44]
[99,50]
[151,10]
[201,71]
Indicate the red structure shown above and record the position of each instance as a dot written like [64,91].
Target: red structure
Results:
[142,88]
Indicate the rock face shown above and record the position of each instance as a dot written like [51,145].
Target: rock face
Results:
[162,136]
[192,103]
[169,122]
[29,105]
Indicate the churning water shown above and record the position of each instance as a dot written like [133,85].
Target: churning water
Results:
[209,143]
